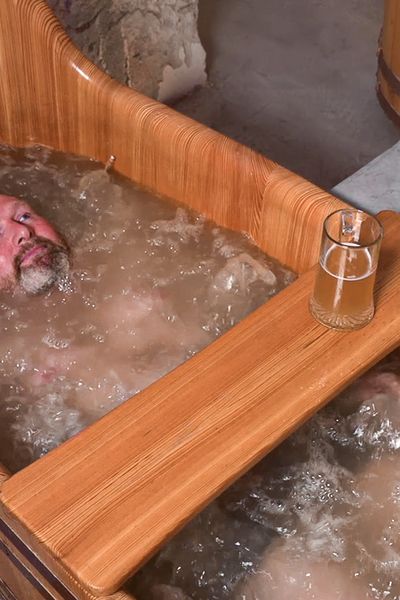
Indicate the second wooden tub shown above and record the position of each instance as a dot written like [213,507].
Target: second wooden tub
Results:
[78,522]
[388,85]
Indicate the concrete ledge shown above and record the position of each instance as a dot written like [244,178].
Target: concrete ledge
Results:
[376,186]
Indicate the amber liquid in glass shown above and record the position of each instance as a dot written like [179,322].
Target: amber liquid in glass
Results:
[343,294]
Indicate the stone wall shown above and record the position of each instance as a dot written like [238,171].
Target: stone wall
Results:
[151,45]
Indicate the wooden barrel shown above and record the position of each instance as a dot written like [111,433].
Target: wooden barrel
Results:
[388,85]
[4,474]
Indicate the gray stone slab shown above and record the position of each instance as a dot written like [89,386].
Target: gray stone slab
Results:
[376,186]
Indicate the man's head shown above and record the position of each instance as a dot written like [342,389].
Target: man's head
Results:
[33,256]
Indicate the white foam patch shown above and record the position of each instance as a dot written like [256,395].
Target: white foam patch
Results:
[318,518]
[135,306]
[151,285]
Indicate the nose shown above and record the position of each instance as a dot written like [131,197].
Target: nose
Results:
[21,233]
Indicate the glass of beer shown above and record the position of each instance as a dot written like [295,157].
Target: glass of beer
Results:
[344,284]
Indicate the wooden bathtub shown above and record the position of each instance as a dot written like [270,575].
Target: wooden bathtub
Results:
[388,75]
[78,522]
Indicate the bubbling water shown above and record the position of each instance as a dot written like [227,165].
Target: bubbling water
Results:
[317,519]
[151,284]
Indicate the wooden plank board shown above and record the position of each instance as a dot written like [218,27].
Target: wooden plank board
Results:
[103,502]
[23,573]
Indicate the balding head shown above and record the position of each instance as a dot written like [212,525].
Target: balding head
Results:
[33,256]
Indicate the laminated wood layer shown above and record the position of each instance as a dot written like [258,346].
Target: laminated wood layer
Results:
[105,501]
[97,507]
[51,94]
[389,61]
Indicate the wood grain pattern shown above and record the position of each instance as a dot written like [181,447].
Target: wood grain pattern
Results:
[98,506]
[50,93]
[4,474]
[292,214]
[391,35]
[12,580]
[389,69]
[23,575]
[167,452]
[53,95]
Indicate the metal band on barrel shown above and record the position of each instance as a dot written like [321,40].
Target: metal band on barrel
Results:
[389,110]
[387,73]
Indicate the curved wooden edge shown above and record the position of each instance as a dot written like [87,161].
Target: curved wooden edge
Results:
[168,451]
[28,576]
[50,93]
[388,94]
[391,35]
[4,474]
[393,115]
[392,79]
[291,217]
[53,95]
[388,76]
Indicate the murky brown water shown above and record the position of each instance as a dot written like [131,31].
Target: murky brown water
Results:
[319,518]
[152,283]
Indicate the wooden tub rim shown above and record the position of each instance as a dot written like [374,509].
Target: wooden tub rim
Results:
[283,207]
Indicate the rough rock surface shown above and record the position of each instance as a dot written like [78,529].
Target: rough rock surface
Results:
[151,45]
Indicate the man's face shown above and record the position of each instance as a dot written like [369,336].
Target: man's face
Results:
[33,256]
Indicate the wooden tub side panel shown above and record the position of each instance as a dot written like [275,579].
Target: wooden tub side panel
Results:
[22,579]
[53,95]
[18,581]
[13,584]
[167,452]
[4,474]
[23,576]
[96,508]
[291,218]
[388,76]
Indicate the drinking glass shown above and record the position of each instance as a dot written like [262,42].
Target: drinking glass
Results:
[344,284]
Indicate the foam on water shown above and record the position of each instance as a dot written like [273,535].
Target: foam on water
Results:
[318,519]
[152,283]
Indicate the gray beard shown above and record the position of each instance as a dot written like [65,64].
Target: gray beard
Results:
[40,277]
